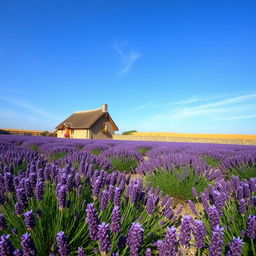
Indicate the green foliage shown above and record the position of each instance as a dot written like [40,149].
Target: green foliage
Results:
[234,224]
[124,164]
[96,151]
[243,172]
[177,182]
[143,151]
[34,147]
[128,132]
[211,161]
[28,133]
[57,156]
[52,221]
[21,167]
[71,220]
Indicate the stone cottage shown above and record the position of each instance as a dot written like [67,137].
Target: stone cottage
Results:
[90,124]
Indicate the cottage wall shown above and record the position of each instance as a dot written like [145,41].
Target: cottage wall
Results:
[60,133]
[79,134]
[97,129]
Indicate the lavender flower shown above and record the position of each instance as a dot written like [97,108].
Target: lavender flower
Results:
[18,252]
[39,191]
[150,204]
[8,182]
[93,221]
[235,247]
[242,206]
[2,222]
[104,238]
[6,247]
[28,188]
[240,192]
[216,241]
[80,250]
[30,220]
[185,231]
[115,226]
[104,200]
[251,227]
[22,198]
[134,238]
[117,196]
[199,232]
[214,216]
[168,247]
[62,197]
[28,245]
[18,209]
[194,192]
[15,231]
[148,252]
[192,207]
[63,244]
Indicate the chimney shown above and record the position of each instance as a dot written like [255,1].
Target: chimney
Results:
[105,108]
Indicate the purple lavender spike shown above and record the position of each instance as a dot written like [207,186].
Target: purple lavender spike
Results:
[216,241]
[2,222]
[28,188]
[135,238]
[93,221]
[251,227]
[18,253]
[30,220]
[81,251]
[194,192]
[115,226]
[235,247]
[104,200]
[6,247]
[117,196]
[22,198]
[148,252]
[18,209]
[242,206]
[150,204]
[62,197]
[63,244]
[8,181]
[185,231]
[39,191]
[192,207]
[199,232]
[214,216]
[104,238]
[28,245]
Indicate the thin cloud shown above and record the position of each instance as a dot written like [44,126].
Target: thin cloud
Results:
[228,106]
[128,57]
[26,105]
[236,118]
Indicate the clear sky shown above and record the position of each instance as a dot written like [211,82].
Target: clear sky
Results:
[171,66]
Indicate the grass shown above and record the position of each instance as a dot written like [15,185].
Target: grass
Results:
[34,147]
[57,156]
[143,151]
[243,172]
[177,182]
[211,161]
[124,164]
[96,151]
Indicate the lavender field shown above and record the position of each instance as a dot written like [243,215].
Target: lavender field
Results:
[105,197]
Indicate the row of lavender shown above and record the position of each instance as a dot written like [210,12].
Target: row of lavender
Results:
[45,200]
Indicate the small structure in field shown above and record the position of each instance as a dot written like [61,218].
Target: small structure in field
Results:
[90,124]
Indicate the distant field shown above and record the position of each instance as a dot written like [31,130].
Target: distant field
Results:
[187,137]
[202,136]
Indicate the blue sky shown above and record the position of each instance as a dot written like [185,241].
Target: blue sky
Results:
[171,66]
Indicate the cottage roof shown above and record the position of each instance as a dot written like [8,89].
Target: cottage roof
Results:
[85,119]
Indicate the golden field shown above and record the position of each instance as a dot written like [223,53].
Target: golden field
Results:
[200,136]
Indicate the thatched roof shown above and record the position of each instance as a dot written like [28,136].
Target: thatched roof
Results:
[85,119]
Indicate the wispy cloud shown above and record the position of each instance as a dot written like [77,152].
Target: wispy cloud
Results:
[28,106]
[228,107]
[236,118]
[128,56]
